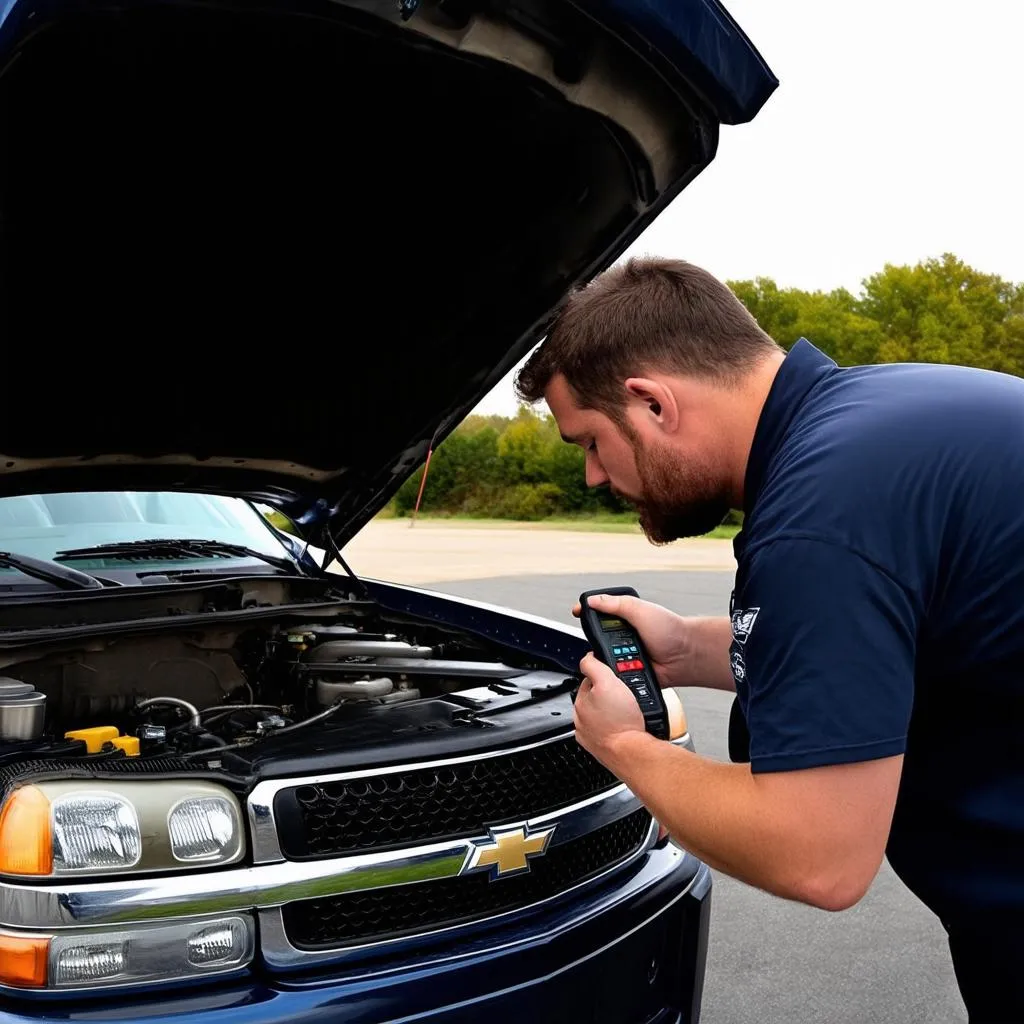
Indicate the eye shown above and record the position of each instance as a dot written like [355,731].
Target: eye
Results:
[591,446]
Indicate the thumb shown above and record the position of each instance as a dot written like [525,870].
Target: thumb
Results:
[594,669]
[614,604]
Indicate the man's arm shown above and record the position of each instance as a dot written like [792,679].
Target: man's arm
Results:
[708,662]
[816,836]
[826,660]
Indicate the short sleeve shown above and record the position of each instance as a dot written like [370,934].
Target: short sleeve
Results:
[823,654]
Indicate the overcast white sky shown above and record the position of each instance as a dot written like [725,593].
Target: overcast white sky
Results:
[896,134]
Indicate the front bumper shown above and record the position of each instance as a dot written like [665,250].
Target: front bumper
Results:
[639,957]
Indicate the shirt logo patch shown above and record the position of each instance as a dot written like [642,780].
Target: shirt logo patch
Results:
[743,623]
[739,668]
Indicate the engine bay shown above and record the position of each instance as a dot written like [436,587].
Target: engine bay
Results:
[246,698]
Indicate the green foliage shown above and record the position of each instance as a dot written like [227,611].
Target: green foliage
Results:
[506,468]
[528,502]
[938,311]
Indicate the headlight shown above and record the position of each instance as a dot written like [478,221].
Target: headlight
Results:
[94,831]
[205,829]
[131,955]
[52,829]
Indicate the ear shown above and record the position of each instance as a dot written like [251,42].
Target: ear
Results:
[660,402]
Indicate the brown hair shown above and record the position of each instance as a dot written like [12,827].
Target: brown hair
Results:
[643,315]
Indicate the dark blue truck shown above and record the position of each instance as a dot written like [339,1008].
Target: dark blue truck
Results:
[262,255]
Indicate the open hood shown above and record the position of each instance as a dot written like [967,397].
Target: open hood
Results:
[279,248]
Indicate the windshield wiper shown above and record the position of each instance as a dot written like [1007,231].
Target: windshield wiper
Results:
[174,548]
[62,576]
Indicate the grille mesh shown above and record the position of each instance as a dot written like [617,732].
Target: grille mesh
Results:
[378,914]
[433,804]
[97,766]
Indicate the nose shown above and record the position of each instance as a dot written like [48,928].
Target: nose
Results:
[595,474]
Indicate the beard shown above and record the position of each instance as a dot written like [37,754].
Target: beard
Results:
[677,500]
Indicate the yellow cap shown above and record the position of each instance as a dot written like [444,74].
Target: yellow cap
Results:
[129,744]
[26,842]
[94,737]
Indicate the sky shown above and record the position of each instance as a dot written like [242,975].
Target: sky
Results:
[896,134]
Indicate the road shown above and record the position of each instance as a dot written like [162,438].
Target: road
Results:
[769,961]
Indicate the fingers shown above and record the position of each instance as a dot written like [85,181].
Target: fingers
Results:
[576,610]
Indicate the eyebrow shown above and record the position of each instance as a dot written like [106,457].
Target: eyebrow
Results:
[569,440]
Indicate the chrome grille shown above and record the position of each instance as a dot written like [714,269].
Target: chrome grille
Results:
[435,803]
[376,915]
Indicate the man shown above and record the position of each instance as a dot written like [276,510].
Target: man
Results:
[876,641]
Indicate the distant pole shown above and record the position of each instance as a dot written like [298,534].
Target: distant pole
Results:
[423,483]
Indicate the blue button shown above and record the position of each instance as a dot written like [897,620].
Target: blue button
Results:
[616,650]
[634,650]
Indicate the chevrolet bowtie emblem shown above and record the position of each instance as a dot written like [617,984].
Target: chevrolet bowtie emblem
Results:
[508,850]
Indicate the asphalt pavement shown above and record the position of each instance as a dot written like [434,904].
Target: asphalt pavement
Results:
[884,960]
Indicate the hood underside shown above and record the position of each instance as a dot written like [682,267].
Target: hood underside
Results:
[279,250]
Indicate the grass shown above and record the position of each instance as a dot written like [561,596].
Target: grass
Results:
[580,524]
[602,522]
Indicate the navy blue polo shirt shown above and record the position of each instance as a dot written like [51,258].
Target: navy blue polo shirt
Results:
[879,607]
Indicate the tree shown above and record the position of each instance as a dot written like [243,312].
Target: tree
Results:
[943,311]
[940,310]
[524,448]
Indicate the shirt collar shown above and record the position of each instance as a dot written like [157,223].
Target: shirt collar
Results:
[803,367]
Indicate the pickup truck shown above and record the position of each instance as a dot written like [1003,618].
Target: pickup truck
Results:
[267,255]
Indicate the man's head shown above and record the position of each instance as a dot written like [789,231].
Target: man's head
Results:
[659,372]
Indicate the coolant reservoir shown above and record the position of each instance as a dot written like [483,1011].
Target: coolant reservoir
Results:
[22,710]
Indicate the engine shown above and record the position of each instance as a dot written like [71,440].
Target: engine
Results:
[238,693]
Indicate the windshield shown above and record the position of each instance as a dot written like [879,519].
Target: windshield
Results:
[41,525]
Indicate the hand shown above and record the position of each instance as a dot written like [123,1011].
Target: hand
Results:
[605,711]
[665,634]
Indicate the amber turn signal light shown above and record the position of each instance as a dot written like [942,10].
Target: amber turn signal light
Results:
[26,842]
[676,715]
[23,960]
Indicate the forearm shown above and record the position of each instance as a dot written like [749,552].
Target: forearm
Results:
[707,661]
[731,819]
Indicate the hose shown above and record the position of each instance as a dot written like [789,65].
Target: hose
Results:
[277,732]
[190,708]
